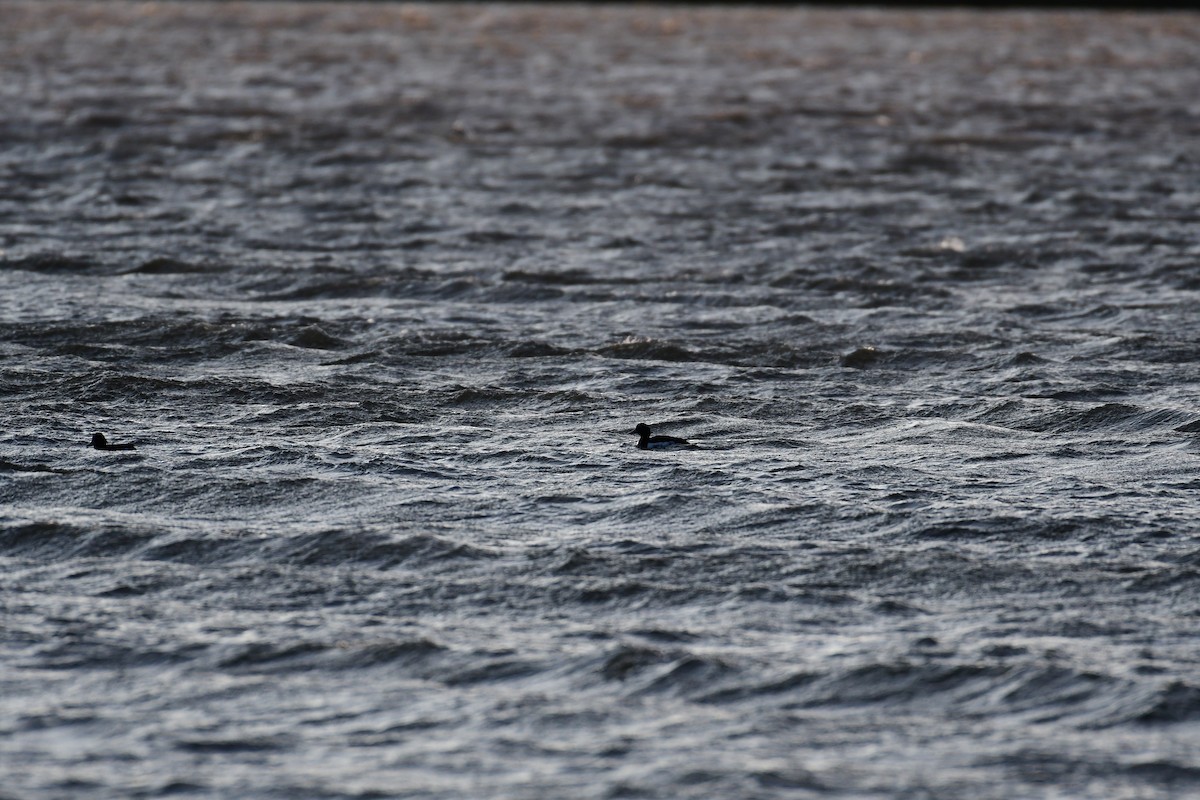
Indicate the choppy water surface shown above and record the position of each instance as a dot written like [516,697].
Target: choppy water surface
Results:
[380,292]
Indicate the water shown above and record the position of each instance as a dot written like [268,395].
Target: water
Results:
[380,292]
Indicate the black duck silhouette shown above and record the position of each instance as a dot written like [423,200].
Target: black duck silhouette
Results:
[648,442]
[100,443]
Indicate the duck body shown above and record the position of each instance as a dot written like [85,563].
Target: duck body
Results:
[100,443]
[648,442]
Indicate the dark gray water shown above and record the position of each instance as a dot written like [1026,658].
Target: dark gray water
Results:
[380,291]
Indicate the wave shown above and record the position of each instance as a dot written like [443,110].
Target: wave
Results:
[56,263]
[1175,702]
[419,654]
[313,337]
[142,340]
[234,744]
[9,466]
[52,541]
[649,670]
[1167,581]
[1040,693]
[1101,418]
[378,551]
[770,353]
[647,349]
[166,265]
[557,277]
[76,651]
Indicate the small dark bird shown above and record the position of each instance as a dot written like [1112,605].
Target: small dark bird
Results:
[648,442]
[100,443]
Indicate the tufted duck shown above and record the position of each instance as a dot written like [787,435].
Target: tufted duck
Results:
[648,442]
[100,443]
